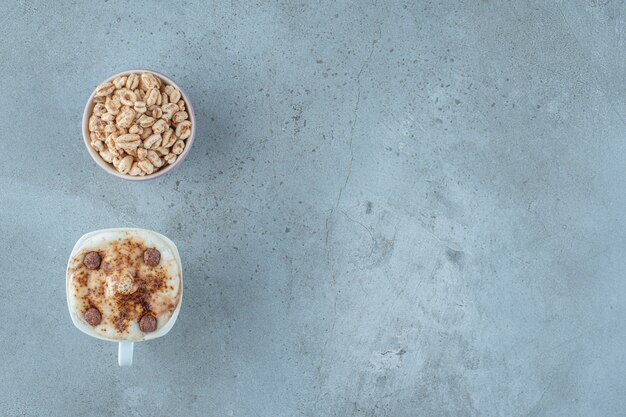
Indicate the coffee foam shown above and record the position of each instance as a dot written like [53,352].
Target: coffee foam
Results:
[124,288]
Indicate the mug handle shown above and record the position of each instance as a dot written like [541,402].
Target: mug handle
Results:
[125,353]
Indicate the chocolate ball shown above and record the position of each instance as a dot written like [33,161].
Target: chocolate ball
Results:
[93,316]
[148,323]
[92,260]
[152,257]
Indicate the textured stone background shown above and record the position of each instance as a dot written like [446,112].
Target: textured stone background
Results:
[391,209]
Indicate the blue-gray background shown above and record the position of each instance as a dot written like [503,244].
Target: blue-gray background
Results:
[391,209]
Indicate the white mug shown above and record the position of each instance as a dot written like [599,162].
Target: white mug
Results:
[125,347]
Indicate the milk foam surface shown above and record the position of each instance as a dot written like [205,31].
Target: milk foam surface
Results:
[156,290]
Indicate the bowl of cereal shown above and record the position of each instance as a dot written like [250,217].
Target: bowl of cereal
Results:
[138,125]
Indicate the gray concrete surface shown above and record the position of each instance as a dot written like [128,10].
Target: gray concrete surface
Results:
[391,209]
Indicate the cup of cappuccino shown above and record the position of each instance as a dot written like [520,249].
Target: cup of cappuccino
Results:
[124,285]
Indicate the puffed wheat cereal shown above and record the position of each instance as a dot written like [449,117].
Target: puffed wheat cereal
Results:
[98,145]
[125,118]
[132,81]
[128,141]
[169,110]
[168,138]
[140,107]
[119,82]
[107,156]
[183,130]
[104,89]
[146,121]
[178,147]
[146,166]
[142,153]
[139,124]
[174,96]
[108,117]
[159,126]
[99,110]
[145,132]
[180,117]
[152,141]
[134,169]
[154,159]
[170,158]
[125,164]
